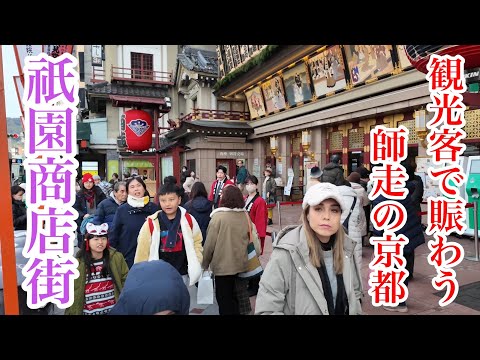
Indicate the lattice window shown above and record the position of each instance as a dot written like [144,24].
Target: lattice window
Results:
[472,124]
[142,66]
[336,140]
[355,138]
[296,145]
[221,66]
[244,52]
[412,134]
[236,55]
[228,58]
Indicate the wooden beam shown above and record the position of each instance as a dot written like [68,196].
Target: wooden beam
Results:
[10,291]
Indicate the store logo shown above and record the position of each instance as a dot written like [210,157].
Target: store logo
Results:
[138,126]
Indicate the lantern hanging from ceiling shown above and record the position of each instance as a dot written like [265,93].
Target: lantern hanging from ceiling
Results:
[138,130]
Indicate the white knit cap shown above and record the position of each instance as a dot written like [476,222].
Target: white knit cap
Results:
[319,192]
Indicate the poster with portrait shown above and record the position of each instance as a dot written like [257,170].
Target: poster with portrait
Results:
[274,94]
[368,61]
[255,102]
[402,57]
[327,71]
[297,84]
[431,186]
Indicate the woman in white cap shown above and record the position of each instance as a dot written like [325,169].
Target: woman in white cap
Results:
[312,270]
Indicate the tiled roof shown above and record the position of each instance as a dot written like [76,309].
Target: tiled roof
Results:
[199,60]
[212,127]
[231,124]
[127,90]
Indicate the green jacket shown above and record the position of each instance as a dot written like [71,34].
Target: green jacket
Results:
[119,270]
[242,175]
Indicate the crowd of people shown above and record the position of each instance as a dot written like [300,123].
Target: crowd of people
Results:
[139,255]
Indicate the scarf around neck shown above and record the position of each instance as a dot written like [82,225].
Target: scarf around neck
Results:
[173,226]
[90,197]
[137,202]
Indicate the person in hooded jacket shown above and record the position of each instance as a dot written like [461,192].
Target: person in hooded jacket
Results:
[153,288]
[352,220]
[200,207]
[364,202]
[333,172]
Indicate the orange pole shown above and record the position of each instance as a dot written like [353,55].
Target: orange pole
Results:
[10,291]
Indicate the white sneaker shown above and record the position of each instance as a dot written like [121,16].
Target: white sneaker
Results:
[399,308]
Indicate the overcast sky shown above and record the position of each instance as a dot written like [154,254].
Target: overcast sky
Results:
[9,70]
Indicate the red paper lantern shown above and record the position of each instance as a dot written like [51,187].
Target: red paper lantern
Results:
[138,130]
[419,55]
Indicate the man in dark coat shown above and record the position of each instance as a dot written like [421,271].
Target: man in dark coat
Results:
[107,208]
[153,288]
[412,230]
[333,172]
[18,208]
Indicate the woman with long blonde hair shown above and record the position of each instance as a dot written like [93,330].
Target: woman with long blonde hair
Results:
[312,270]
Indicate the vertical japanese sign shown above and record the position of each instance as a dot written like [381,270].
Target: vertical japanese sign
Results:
[50,101]
[388,273]
[97,51]
[446,214]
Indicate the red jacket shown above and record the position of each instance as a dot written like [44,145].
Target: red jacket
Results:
[214,185]
[258,215]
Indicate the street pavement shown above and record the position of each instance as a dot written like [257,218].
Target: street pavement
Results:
[422,298]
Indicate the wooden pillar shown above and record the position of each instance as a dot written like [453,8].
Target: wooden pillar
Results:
[156,166]
[176,162]
[10,291]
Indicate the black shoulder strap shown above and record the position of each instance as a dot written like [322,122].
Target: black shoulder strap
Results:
[345,223]
[248,206]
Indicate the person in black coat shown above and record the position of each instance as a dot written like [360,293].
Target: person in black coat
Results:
[333,172]
[129,219]
[18,208]
[200,207]
[86,202]
[108,207]
[412,230]
[183,175]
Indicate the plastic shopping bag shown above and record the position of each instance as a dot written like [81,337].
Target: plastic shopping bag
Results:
[205,289]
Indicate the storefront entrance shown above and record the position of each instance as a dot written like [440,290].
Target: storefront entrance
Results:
[355,159]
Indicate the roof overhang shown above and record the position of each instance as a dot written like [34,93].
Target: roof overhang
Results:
[119,100]
[230,128]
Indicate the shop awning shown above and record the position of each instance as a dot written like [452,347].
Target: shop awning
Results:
[137,163]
